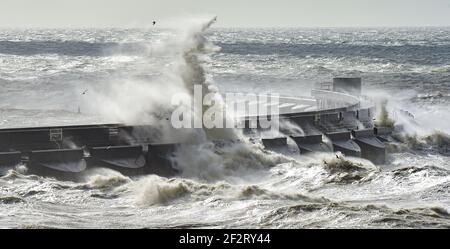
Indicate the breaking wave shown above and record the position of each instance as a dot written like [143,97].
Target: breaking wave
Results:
[343,170]
[104,179]
[240,184]
[154,190]
[437,141]
[207,162]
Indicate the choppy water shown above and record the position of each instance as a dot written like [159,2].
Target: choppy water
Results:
[44,72]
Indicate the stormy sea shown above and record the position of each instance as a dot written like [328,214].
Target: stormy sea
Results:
[85,76]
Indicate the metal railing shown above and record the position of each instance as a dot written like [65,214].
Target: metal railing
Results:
[331,100]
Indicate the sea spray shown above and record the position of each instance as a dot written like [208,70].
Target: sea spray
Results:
[156,190]
[102,178]
[392,199]
[238,161]
[383,119]
[148,102]
[132,100]
[194,73]
[415,127]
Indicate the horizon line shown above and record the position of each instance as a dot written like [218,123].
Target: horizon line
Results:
[232,27]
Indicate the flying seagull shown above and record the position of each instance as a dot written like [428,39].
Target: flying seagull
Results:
[154,23]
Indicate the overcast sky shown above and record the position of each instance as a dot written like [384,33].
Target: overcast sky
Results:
[231,13]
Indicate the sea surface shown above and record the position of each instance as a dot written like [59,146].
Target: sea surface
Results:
[69,76]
